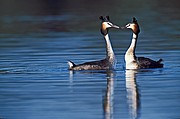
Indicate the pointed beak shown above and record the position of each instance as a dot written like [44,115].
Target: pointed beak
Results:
[115,26]
[126,27]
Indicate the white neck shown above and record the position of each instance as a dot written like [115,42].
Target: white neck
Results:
[109,50]
[130,56]
[132,47]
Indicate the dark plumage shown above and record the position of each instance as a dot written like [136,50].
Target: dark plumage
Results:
[93,65]
[144,62]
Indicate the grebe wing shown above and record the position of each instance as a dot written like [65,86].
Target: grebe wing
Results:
[144,62]
[98,62]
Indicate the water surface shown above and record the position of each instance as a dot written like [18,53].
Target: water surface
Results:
[36,41]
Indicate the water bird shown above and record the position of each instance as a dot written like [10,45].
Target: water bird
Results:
[105,64]
[133,62]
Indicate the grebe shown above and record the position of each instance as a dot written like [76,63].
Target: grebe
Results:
[133,62]
[110,61]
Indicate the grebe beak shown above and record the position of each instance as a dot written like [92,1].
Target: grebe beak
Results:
[115,26]
[125,27]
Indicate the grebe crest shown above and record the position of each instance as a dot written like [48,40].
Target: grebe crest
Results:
[105,64]
[133,62]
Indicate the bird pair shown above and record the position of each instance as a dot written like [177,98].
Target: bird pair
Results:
[109,62]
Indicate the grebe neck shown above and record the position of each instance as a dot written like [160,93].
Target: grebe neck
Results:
[132,47]
[109,50]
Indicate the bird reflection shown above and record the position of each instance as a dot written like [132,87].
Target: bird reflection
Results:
[109,97]
[133,97]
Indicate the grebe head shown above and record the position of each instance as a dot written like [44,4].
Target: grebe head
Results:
[106,24]
[133,26]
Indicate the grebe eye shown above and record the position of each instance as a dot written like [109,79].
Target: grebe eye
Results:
[127,25]
[109,23]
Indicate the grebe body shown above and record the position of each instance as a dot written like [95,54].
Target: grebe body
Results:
[133,62]
[107,63]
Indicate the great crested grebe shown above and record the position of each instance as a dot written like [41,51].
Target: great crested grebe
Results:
[133,62]
[110,61]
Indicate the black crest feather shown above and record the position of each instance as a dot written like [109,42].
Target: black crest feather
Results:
[104,18]
[101,18]
[134,20]
[107,17]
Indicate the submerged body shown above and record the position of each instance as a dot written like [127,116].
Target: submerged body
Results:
[133,62]
[106,64]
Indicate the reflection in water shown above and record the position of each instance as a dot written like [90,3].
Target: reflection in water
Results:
[71,76]
[109,96]
[71,79]
[132,94]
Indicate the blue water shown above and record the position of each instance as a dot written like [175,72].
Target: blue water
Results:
[35,45]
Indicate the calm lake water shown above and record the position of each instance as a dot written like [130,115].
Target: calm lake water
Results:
[37,39]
